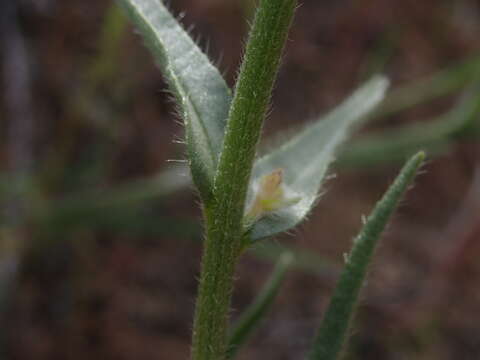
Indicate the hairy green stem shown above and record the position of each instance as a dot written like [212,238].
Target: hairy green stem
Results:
[224,215]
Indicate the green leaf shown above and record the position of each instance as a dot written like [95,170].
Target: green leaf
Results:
[333,331]
[118,203]
[394,144]
[305,260]
[440,83]
[251,318]
[199,88]
[305,159]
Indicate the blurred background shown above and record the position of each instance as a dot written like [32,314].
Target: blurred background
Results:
[100,229]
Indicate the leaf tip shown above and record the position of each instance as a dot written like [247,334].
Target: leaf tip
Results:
[382,80]
[287,258]
[416,161]
[420,156]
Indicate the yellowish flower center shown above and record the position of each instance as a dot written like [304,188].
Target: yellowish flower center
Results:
[270,196]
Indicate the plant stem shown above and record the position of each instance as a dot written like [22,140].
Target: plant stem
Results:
[224,215]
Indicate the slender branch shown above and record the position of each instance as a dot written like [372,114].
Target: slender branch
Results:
[253,315]
[224,214]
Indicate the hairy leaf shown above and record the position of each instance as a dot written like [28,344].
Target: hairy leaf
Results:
[333,332]
[199,88]
[304,161]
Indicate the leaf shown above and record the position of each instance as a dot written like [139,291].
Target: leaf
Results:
[305,159]
[113,207]
[333,331]
[199,88]
[305,260]
[253,315]
[435,135]
[440,83]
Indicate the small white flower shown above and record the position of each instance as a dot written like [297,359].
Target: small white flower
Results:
[270,197]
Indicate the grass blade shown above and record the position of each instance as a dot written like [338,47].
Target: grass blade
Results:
[333,331]
[199,88]
[251,318]
[306,157]
[441,83]
[392,145]
[304,259]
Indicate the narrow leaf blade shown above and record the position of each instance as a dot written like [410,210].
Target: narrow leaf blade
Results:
[199,88]
[333,331]
[306,157]
[251,318]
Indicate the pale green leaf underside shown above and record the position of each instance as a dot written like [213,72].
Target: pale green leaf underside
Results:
[199,88]
[305,158]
